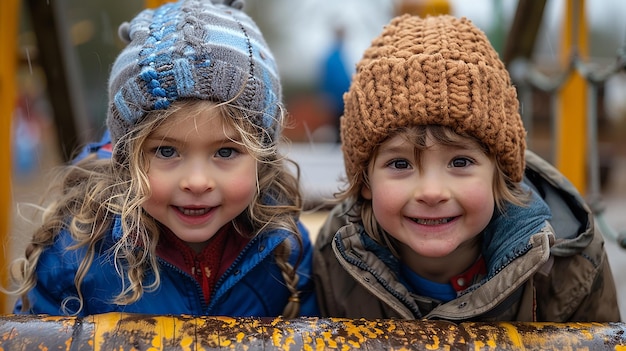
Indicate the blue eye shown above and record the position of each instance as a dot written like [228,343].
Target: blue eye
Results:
[165,152]
[225,152]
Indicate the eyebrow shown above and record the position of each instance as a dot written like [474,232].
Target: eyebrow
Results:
[456,144]
[228,138]
[463,144]
[394,149]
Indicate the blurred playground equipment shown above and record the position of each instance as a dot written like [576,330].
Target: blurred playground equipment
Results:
[573,133]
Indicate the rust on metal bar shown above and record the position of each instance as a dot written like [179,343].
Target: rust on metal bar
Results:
[123,332]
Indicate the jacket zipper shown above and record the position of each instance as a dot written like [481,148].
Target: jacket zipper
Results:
[360,264]
[199,292]
[235,263]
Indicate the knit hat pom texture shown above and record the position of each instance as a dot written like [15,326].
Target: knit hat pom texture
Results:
[199,49]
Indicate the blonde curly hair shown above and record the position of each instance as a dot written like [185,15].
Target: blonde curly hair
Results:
[89,194]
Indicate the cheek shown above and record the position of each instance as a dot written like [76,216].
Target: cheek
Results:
[385,201]
[242,188]
[479,198]
[159,187]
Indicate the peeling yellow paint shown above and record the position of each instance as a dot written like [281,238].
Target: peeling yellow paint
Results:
[514,337]
[186,343]
[240,337]
[588,335]
[435,345]
[354,344]
[327,337]
[125,332]
[479,345]
[276,337]
[289,340]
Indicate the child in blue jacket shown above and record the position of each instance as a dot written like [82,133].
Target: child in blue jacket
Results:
[195,211]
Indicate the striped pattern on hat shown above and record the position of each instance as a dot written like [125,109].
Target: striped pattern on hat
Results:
[436,70]
[193,49]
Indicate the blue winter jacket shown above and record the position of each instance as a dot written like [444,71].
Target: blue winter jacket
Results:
[252,286]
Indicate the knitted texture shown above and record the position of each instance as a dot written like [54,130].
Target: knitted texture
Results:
[435,70]
[193,49]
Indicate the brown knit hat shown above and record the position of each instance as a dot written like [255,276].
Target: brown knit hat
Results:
[435,70]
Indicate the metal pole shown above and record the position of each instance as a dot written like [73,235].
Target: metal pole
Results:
[571,141]
[122,331]
[9,15]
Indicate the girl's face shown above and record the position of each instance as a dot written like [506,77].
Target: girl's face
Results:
[438,207]
[200,179]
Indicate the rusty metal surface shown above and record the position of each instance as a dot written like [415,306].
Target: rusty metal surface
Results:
[122,332]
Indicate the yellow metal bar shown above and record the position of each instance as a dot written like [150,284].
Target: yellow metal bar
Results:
[119,331]
[571,140]
[423,8]
[150,4]
[9,14]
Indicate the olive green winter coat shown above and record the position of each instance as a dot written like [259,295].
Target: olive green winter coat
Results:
[558,273]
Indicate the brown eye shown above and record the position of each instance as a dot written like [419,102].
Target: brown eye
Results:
[460,162]
[399,164]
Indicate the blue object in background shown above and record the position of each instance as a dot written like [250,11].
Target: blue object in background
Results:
[335,77]
[102,148]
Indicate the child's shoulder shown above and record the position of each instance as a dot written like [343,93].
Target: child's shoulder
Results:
[68,248]
[572,221]
[338,217]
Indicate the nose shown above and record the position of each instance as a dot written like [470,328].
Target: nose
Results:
[197,178]
[431,189]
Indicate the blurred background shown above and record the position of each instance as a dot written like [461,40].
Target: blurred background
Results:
[565,56]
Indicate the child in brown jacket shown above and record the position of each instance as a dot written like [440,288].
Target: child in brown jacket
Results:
[445,214]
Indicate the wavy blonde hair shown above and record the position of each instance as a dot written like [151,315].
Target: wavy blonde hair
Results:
[504,189]
[88,195]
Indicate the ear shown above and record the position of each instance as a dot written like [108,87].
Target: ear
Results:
[366,192]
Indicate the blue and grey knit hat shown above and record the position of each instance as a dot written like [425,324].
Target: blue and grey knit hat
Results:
[203,49]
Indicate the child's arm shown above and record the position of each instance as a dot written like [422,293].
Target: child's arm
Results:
[578,288]
[325,265]
[41,302]
[600,305]
[55,271]
[602,302]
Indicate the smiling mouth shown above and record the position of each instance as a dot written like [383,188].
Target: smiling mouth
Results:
[193,211]
[438,221]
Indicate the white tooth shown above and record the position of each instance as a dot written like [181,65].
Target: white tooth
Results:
[432,221]
[193,212]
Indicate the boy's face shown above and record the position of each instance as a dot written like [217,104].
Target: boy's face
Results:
[200,179]
[435,206]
